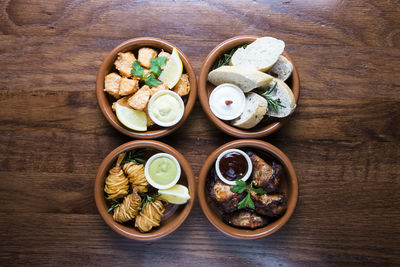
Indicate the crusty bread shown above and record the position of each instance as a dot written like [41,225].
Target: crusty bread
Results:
[282,69]
[260,54]
[245,78]
[286,98]
[254,111]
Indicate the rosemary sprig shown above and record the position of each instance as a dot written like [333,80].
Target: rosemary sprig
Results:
[114,204]
[224,60]
[134,155]
[147,199]
[273,104]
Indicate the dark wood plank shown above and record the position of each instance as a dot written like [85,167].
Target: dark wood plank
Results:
[343,139]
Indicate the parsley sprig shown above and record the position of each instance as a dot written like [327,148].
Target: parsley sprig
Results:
[273,104]
[151,77]
[247,202]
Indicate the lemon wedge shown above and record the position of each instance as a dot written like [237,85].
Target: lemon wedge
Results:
[178,194]
[131,118]
[172,71]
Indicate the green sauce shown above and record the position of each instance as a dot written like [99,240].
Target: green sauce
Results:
[166,108]
[163,170]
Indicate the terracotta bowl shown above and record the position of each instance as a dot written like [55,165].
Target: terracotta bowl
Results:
[105,100]
[288,184]
[205,89]
[174,215]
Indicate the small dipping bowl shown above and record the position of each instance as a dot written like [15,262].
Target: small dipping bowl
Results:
[156,159]
[160,104]
[227,101]
[231,166]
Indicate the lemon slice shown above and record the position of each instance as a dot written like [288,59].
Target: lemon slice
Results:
[178,194]
[172,71]
[131,118]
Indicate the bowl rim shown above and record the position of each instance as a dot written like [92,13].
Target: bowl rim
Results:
[244,233]
[203,97]
[99,190]
[102,97]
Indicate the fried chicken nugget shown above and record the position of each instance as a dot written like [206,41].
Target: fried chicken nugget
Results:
[140,99]
[128,86]
[144,56]
[111,84]
[124,63]
[183,86]
[159,88]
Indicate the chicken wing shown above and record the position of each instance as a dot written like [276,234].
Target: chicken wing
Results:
[270,205]
[225,198]
[245,219]
[264,175]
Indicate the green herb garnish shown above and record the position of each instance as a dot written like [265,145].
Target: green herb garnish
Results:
[147,199]
[224,60]
[247,202]
[114,204]
[151,77]
[134,155]
[273,104]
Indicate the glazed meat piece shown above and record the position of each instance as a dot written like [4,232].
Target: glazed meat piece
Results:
[264,175]
[270,205]
[245,219]
[225,198]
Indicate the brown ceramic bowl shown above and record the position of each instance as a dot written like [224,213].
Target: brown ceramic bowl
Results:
[288,184]
[174,215]
[105,100]
[205,89]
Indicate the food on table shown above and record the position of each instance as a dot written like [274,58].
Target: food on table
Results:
[267,95]
[124,63]
[166,108]
[245,78]
[265,175]
[178,194]
[227,101]
[183,86]
[162,171]
[254,111]
[112,82]
[226,200]
[135,174]
[128,209]
[137,81]
[173,70]
[150,216]
[269,205]
[232,165]
[282,69]
[131,118]
[139,100]
[245,219]
[260,54]
[144,56]
[116,183]
[253,203]
[132,200]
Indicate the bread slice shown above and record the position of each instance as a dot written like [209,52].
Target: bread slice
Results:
[260,54]
[282,69]
[245,78]
[286,98]
[256,108]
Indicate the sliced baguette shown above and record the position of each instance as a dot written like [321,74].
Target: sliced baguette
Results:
[256,108]
[286,98]
[245,78]
[282,69]
[260,54]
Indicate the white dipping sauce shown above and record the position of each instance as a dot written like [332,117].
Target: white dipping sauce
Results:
[227,101]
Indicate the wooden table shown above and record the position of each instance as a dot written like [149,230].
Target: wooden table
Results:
[343,138]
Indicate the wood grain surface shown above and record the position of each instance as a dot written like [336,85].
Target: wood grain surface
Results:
[344,138]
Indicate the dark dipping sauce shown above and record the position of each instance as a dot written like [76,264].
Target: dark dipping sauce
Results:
[233,166]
